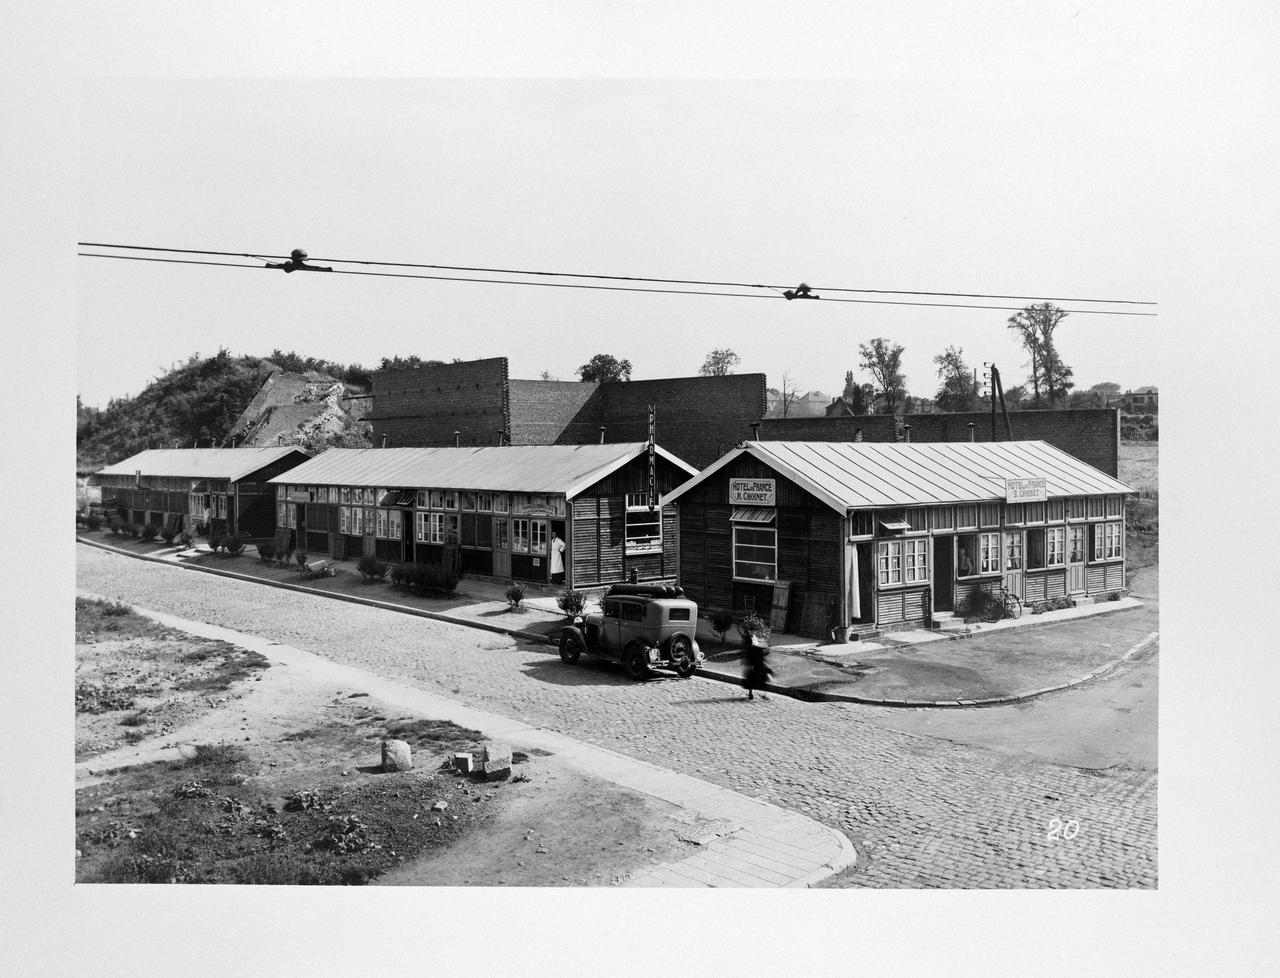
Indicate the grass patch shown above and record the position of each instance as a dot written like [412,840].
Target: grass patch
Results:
[95,619]
[212,819]
[236,664]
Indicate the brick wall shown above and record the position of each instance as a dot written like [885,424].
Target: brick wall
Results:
[1091,435]
[699,418]
[424,406]
[554,412]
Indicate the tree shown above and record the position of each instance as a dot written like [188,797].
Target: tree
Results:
[547,375]
[719,363]
[958,392]
[603,367]
[883,360]
[787,396]
[857,396]
[1035,325]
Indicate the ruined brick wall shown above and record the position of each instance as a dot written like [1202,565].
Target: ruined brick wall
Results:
[698,418]
[554,412]
[1091,435]
[424,406]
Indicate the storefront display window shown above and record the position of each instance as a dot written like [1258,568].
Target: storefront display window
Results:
[889,561]
[755,553]
[643,527]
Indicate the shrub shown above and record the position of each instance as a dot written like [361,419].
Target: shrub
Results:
[216,541]
[571,602]
[168,532]
[93,521]
[115,526]
[233,544]
[424,579]
[186,539]
[134,530]
[753,624]
[515,596]
[372,568]
[149,532]
[301,558]
[721,622]
[267,551]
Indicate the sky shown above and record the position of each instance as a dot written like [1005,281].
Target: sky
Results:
[1125,150]
[1040,190]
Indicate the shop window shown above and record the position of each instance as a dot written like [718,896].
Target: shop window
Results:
[1056,510]
[538,536]
[468,501]
[370,527]
[1014,513]
[989,514]
[1097,507]
[755,553]
[942,518]
[520,535]
[1076,508]
[422,527]
[643,528]
[1107,541]
[281,518]
[435,529]
[344,519]
[889,561]
[484,532]
[423,500]
[1034,512]
[988,553]
[501,503]
[1055,538]
[484,502]
[437,499]
[344,495]
[1013,551]
[395,525]
[380,529]
[918,518]
[966,517]
[501,535]
[915,560]
[1115,506]
[450,499]
[355,524]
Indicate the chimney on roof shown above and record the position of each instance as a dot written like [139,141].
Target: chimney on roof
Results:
[602,434]
[971,427]
[908,430]
[384,439]
[755,430]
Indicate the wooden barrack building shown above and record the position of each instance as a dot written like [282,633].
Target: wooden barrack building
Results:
[852,538]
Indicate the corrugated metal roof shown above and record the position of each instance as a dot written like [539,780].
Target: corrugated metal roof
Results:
[199,463]
[567,469]
[856,475]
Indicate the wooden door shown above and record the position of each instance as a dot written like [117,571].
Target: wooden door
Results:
[1014,575]
[944,573]
[1077,539]
[501,547]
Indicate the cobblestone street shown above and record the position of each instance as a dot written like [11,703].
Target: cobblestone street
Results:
[922,812]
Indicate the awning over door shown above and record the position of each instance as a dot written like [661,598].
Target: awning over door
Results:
[753,514]
[398,498]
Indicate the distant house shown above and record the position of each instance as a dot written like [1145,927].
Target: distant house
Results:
[811,405]
[1145,400]
[224,489]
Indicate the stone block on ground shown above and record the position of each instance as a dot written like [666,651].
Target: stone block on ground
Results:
[396,756]
[497,761]
[466,763]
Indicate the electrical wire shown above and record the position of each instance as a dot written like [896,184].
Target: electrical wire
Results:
[610,288]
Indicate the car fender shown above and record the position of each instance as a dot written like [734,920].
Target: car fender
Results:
[574,634]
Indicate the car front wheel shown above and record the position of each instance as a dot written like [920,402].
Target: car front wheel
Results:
[569,650]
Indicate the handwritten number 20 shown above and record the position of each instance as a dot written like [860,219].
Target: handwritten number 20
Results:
[1067,830]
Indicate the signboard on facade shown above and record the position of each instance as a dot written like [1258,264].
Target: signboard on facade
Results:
[1025,491]
[751,492]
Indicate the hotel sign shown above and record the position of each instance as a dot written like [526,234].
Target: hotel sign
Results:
[1025,491]
[751,492]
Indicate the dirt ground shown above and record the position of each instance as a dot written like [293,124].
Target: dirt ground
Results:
[195,759]
[1140,465]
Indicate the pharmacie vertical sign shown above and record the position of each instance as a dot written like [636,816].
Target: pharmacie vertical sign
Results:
[653,481]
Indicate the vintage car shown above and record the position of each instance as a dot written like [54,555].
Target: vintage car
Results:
[643,626]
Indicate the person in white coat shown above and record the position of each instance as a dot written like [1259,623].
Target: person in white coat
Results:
[557,559]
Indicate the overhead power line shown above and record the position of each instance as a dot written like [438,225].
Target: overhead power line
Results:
[615,278]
